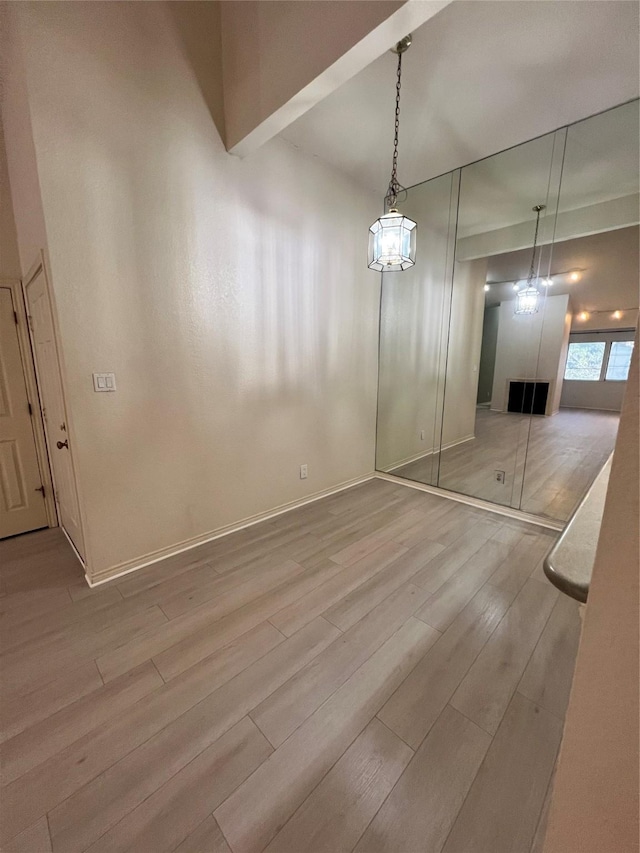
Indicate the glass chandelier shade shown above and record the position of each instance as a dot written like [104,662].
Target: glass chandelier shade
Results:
[528,299]
[392,242]
[392,237]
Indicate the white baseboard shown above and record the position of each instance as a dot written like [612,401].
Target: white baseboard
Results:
[187,545]
[590,409]
[431,452]
[422,455]
[451,444]
[498,509]
[157,556]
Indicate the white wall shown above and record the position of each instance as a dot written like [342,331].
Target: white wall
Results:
[463,356]
[531,347]
[592,395]
[602,394]
[231,298]
[564,352]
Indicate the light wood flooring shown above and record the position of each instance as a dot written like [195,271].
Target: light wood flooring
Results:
[382,670]
[564,454]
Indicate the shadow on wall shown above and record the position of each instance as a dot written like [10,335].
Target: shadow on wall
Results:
[206,64]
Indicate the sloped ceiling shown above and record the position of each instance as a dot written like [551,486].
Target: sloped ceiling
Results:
[482,75]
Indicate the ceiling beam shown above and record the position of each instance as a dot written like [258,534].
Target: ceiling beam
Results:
[282,57]
[581,222]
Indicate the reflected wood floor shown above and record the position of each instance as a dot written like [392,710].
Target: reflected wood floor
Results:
[382,670]
[565,453]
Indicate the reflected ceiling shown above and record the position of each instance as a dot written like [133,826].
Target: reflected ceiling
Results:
[609,264]
[481,76]
[601,163]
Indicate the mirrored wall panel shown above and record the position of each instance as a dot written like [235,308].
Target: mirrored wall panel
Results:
[594,266]
[501,352]
[413,338]
[504,351]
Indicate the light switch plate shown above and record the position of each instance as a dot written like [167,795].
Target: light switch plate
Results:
[104,382]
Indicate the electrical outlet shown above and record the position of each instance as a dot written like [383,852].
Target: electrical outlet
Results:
[421,435]
[500,476]
[304,472]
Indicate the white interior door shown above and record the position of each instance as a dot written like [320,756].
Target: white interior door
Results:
[22,506]
[53,408]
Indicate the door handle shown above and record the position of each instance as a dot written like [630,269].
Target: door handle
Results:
[61,444]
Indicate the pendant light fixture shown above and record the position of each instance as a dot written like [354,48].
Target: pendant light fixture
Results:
[528,298]
[392,237]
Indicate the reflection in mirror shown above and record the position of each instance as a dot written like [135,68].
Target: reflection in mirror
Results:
[595,265]
[518,409]
[499,206]
[413,330]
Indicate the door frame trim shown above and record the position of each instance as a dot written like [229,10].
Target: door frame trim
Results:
[13,285]
[38,266]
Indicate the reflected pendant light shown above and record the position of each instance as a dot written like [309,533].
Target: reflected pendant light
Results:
[527,300]
[392,237]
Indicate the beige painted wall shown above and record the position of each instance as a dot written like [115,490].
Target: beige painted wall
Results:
[15,116]
[595,799]
[231,298]
[9,257]
[609,278]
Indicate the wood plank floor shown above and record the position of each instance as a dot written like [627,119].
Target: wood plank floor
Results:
[382,670]
[564,454]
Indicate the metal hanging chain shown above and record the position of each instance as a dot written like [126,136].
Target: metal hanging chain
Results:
[532,272]
[394,187]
